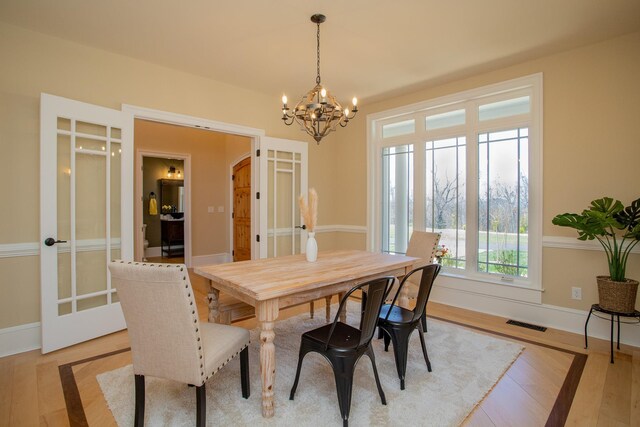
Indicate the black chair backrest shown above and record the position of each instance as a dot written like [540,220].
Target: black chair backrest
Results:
[429,274]
[376,291]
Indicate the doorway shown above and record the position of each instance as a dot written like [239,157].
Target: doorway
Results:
[166,211]
[208,156]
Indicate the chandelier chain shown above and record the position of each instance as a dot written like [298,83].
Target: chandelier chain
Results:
[318,54]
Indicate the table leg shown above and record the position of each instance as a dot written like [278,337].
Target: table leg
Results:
[328,308]
[214,304]
[343,314]
[267,313]
[312,309]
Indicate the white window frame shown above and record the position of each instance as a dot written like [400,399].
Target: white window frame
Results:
[523,289]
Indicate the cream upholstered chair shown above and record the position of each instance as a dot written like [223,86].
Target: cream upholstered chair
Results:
[167,338]
[423,245]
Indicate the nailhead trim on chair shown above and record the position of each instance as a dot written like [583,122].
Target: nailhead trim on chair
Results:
[228,360]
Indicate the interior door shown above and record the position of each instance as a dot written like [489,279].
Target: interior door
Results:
[242,210]
[283,177]
[82,200]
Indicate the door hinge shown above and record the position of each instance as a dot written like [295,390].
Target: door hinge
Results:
[233,253]
[258,195]
[258,152]
[257,238]
[233,215]
[233,177]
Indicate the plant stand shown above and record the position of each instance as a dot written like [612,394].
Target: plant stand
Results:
[596,308]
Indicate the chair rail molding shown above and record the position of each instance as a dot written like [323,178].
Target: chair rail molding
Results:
[574,243]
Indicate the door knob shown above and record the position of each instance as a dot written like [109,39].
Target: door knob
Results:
[50,241]
[304,227]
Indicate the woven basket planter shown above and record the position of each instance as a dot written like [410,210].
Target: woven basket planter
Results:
[617,296]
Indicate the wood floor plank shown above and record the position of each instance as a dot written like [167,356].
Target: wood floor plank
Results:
[585,409]
[6,389]
[50,396]
[616,399]
[478,418]
[634,416]
[537,384]
[24,401]
[521,410]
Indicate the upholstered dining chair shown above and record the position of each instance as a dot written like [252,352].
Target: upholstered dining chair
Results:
[398,323]
[167,338]
[423,245]
[343,345]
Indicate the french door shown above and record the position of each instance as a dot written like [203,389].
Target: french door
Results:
[283,178]
[82,226]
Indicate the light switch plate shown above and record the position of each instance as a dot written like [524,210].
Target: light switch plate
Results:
[210,209]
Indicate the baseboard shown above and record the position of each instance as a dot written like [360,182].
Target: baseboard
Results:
[21,338]
[565,319]
[155,251]
[201,260]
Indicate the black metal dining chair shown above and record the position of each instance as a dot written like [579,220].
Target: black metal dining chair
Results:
[343,345]
[398,323]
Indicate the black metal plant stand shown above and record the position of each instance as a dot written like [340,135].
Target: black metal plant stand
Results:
[613,314]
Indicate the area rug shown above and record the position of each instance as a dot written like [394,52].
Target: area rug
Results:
[466,365]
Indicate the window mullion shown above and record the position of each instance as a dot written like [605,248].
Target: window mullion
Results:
[419,181]
[472,196]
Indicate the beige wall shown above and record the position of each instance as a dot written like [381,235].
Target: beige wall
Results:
[591,149]
[33,63]
[591,104]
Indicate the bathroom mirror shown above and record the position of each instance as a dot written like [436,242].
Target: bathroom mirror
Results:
[172,197]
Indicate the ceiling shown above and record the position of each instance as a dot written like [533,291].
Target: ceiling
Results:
[369,48]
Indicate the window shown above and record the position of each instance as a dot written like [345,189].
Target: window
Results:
[469,167]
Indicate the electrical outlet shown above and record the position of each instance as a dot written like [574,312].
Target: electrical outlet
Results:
[576,293]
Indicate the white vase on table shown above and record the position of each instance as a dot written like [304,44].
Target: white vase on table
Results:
[312,247]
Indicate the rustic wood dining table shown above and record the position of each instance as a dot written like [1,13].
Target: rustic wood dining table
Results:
[274,283]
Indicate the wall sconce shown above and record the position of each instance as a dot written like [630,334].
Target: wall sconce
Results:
[171,171]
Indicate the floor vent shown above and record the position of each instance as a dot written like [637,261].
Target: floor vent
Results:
[527,325]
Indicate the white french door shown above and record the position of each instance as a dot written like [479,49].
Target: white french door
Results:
[283,177]
[83,225]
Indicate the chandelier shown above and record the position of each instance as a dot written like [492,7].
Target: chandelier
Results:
[318,113]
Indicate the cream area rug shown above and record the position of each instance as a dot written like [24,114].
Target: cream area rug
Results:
[466,365]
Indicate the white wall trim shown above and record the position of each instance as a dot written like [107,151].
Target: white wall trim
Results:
[10,250]
[339,228]
[21,338]
[154,251]
[551,316]
[202,260]
[574,243]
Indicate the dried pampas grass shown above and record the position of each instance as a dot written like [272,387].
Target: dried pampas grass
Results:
[309,211]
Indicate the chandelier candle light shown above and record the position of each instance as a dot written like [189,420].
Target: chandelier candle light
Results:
[318,112]
[309,212]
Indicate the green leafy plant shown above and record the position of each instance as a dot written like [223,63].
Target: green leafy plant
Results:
[616,227]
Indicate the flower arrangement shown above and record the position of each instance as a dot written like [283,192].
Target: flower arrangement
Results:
[441,252]
[309,211]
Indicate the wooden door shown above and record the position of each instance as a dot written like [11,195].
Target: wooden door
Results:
[242,210]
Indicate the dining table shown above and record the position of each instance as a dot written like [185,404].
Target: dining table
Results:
[271,284]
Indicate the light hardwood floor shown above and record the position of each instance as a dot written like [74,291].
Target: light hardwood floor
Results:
[31,390]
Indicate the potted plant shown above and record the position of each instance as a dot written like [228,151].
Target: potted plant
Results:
[617,228]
